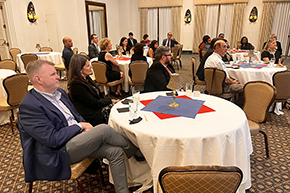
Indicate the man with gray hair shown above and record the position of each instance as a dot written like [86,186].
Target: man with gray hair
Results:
[54,136]
[169,42]
[158,75]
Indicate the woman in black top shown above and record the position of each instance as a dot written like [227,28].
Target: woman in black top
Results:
[85,94]
[270,52]
[112,75]
[124,45]
[138,55]
[245,45]
[152,48]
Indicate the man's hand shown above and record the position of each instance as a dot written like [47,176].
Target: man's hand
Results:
[86,126]
[114,101]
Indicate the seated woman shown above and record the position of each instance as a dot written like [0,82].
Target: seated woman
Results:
[270,52]
[112,75]
[245,45]
[124,45]
[138,55]
[145,41]
[152,48]
[85,94]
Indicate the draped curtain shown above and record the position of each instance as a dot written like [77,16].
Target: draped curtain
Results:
[266,23]
[281,24]
[175,22]
[211,20]
[237,23]
[164,23]
[143,22]
[199,26]
[225,20]
[96,24]
[152,23]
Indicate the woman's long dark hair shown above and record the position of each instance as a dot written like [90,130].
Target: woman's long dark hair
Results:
[152,45]
[77,62]
[121,41]
[204,39]
[242,40]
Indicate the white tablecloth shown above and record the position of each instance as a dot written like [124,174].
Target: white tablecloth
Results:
[241,56]
[124,67]
[55,57]
[216,138]
[4,116]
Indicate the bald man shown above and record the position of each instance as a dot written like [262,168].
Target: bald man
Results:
[67,52]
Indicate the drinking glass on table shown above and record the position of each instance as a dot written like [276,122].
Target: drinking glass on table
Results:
[133,108]
[272,62]
[188,88]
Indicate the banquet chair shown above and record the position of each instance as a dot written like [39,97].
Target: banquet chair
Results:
[27,58]
[16,88]
[100,70]
[8,64]
[281,81]
[179,54]
[214,79]
[174,58]
[195,66]
[200,179]
[84,54]
[13,53]
[258,96]
[138,70]
[75,50]
[45,49]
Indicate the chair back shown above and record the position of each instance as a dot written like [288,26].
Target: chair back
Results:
[16,88]
[281,81]
[13,53]
[45,49]
[8,64]
[100,69]
[174,52]
[84,54]
[75,50]
[179,53]
[139,70]
[27,58]
[194,67]
[214,79]
[200,179]
[258,96]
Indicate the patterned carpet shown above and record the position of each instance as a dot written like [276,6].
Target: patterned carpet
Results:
[268,175]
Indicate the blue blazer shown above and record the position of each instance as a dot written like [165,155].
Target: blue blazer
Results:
[44,133]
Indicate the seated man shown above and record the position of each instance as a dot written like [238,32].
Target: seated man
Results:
[170,41]
[215,61]
[158,75]
[54,136]
[93,48]
[67,52]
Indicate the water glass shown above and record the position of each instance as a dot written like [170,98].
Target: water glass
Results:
[127,53]
[272,62]
[133,108]
[136,96]
[188,89]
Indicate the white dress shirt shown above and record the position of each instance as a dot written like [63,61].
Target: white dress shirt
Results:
[215,61]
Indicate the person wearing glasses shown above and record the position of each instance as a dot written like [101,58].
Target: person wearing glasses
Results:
[158,75]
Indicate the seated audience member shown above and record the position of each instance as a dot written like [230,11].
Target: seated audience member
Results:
[131,41]
[145,41]
[93,48]
[201,45]
[200,70]
[85,94]
[54,136]
[245,45]
[227,57]
[270,52]
[279,48]
[169,41]
[138,55]
[67,52]
[221,36]
[215,61]
[105,56]
[158,75]
[152,48]
[124,45]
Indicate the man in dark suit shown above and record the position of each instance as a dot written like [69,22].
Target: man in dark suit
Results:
[279,48]
[131,41]
[67,52]
[158,75]
[93,48]
[169,41]
[53,135]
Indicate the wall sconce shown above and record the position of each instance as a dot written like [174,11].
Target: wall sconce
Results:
[253,15]
[187,17]
[37,46]
[31,14]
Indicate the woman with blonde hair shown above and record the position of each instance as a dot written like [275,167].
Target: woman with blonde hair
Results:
[270,52]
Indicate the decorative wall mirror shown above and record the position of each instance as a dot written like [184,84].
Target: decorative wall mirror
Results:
[96,19]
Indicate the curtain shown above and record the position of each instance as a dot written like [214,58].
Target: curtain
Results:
[176,22]
[95,23]
[225,20]
[281,24]
[211,20]
[143,22]
[164,23]
[152,24]
[266,23]
[199,26]
[237,24]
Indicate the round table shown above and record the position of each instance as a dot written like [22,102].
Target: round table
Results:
[240,55]
[221,138]
[4,115]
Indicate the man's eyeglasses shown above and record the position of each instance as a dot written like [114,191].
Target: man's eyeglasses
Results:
[167,55]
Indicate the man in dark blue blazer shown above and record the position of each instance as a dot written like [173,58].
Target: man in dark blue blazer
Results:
[67,52]
[93,48]
[169,41]
[158,75]
[53,135]
[131,41]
